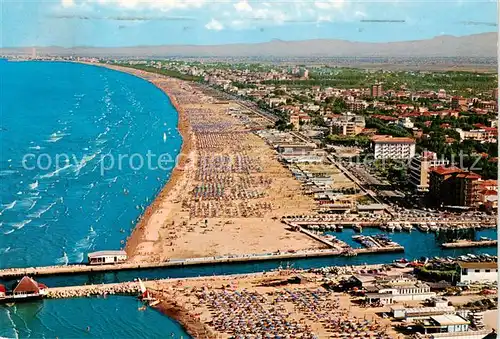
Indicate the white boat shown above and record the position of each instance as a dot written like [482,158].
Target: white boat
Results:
[397,227]
[164,137]
[423,227]
[407,227]
[391,227]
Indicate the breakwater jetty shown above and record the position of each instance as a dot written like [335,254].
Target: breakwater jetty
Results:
[128,288]
[12,273]
[468,243]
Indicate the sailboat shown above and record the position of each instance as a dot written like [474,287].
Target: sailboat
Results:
[144,296]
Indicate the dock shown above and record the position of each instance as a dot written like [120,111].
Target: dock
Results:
[466,243]
[12,273]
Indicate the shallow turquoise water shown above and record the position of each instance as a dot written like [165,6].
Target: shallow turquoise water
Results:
[94,116]
[57,214]
[111,317]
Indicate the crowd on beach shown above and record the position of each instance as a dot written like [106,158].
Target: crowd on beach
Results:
[250,314]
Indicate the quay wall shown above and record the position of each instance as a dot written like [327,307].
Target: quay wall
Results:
[464,244]
[11,273]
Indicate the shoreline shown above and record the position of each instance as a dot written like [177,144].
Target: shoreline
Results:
[184,129]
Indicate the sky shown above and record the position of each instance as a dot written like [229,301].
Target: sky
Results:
[115,23]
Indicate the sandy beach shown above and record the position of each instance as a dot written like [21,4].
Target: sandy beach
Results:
[265,304]
[227,193]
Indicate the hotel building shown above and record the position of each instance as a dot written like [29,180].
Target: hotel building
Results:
[388,147]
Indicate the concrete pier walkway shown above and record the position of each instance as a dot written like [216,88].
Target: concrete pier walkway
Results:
[12,273]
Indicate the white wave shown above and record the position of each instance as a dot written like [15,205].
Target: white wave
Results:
[32,205]
[113,180]
[8,232]
[51,174]
[64,260]
[7,172]
[36,147]
[5,250]
[43,210]
[21,224]
[34,185]
[13,324]
[9,206]
[54,139]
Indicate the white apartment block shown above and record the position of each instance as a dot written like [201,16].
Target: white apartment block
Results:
[387,147]
[478,272]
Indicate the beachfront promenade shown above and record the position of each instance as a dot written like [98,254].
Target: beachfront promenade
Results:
[11,273]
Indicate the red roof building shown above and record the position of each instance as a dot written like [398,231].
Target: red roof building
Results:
[27,286]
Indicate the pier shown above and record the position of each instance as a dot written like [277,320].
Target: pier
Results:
[467,243]
[128,288]
[12,273]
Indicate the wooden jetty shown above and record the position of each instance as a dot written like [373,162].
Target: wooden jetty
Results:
[468,243]
[12,273]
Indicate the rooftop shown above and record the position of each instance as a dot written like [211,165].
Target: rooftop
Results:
[384,139]
[107,253]
[441,170]
[449,319]
[484,264]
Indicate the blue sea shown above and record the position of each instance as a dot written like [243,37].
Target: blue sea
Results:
[61,125]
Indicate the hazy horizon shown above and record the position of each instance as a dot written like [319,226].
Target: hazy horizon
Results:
[130,23]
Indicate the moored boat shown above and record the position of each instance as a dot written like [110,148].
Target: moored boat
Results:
[407,227]
[423,228]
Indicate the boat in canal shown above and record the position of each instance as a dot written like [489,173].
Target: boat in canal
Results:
[357,228]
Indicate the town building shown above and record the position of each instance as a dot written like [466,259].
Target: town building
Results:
[356,105]
[478,272]
[445,323]
[377,91]
[459,103]
[347,125]
[402,288]
[453,187]
[488,134]
[388,147]
[419,170]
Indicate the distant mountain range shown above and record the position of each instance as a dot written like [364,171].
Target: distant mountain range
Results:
[477,45]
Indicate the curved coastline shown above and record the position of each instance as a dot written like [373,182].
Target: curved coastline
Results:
[183,127]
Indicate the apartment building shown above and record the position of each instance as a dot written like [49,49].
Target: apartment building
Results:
[388,147]
[377,91]
[453,186]
[347,125]
[419,170]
